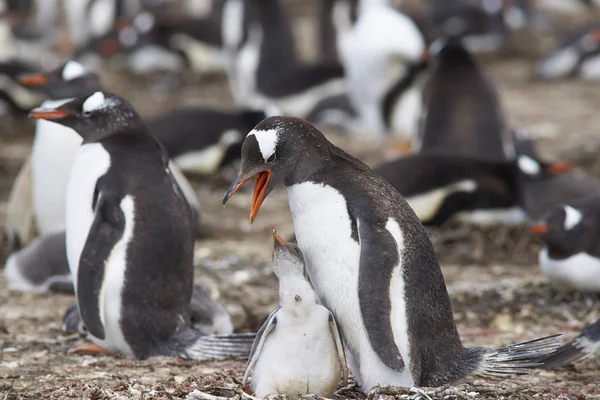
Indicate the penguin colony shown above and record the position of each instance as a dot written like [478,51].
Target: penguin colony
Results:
[103,208]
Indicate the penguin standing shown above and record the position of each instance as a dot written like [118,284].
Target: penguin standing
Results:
[462,111]
[571,258]
[586,344]
[370,262]
[130,236]
[298,350]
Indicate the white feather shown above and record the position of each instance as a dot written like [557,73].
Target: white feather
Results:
[302,103]
[73,70]
[323,230]
[426,205]
[102,16]
[95,102]
[267,141]
[503,216]
[559,64]
[529,166]
[17,282]
[208,159]
[580,272]
[572,217]
[22,96]
[590,68]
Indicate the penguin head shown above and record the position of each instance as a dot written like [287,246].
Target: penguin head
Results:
[562,229]
[533,169]
[93,117]
[287,258]
[271,153]
[69,80]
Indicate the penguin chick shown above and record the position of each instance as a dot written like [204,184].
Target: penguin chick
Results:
[298,350]
[571,258]
[130,237]
[584,345]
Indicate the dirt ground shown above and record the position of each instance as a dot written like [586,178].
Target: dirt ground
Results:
[498,292]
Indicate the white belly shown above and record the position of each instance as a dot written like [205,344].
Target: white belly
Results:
[299,357]
[580,272]
[301,104]
[406,114]
[54,150]
[323,231]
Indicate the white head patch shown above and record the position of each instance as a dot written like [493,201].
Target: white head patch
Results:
[267,141]
[529,166]
[573,217]
[73,70]
[95,102]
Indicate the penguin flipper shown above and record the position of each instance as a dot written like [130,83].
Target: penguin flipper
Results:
[335,332]
[584,344]
[377,263]
[105,232]
[259,342]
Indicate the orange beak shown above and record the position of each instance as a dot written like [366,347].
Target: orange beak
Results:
[595,35]
[558,168]
[41,113]
[33,80]
[539,228]
[278,238]
[426,55]
[260,189]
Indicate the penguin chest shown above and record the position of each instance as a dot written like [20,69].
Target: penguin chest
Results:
[54,150]
[324,233]
[299,356]
[580,272]
[91,163]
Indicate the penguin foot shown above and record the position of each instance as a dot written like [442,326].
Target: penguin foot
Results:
[90,349]
[397,148]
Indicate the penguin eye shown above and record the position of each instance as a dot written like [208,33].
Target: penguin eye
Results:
[87,113]
[272,158]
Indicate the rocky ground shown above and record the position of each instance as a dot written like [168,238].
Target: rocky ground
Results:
[498,292]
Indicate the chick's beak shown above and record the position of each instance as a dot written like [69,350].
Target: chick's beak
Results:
[278,238]
[260,188]
[33,80]
[49,114]
[539,228]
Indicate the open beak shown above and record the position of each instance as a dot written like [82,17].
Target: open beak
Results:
[33,80]
[539,228]
[558,168]
[260,189]
[49,114]
[278,238]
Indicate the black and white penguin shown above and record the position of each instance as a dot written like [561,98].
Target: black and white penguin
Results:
[130,236]
[462,112]
[40,267]
[206,316]
[370,261]
[298,350]
[571,258]
[336,18]
[203,141]
[586,344]
[440,187]
[545,185]
[279,78]
[384,57]
[578,55]
[55,146]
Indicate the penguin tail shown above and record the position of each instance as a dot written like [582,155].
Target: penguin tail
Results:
[581,346]
[215,347]
[516,359]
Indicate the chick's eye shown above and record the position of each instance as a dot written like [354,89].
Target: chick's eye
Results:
[272,158]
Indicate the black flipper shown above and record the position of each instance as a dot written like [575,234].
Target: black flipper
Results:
[105,232]
[587,342]
[377,262]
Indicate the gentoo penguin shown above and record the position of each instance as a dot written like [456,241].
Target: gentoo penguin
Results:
[545,185]
[440,186]
[578,55]
[462,111]
[279,78]
[298,350]
[586,344]
[206,316]
[55,146]
[384,56]
[40,267]
[203,141]
[130,236]
[571,258]
[336,18]
[370,261]
[481,24]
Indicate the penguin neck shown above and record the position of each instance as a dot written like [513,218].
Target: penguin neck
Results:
[295,293]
